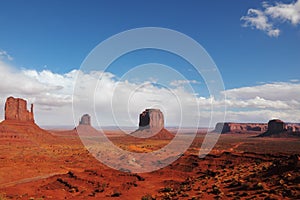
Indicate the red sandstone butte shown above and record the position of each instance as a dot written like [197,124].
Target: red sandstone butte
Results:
[151,126]
[151,118]
[19,124]
[85,128]
[16,110]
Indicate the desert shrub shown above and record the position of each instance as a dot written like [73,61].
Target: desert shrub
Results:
[147,197]
[166,189]
[116,194]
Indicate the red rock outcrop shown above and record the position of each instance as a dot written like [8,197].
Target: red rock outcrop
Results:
[230,127]
[292,127]
[16,110]
[151,126]
[275,126]
[19,124]
[85,128]
[85,120]
[151,118]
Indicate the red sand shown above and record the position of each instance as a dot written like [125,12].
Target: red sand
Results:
[59,167]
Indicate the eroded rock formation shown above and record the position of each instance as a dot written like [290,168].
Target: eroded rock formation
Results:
[151,125]
[230,127]
[85,128]
[19,123]
[275,126]
[16,110]
[292,127]
[272,128]
[85,120]
[151,118]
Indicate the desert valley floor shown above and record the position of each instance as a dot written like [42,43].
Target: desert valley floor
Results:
[59,167]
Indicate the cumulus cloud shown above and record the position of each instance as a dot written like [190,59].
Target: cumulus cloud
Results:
[277,91]
[49,92]
[15,81]
[4,55]
[177,83]
[285,12]
[258,20]
[265,19]
[294,80]
[259,103]
[121,101]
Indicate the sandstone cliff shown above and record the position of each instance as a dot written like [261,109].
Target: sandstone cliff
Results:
[151,118]
[85,128]
[277,128]
[16,110]
[151,126]
[273,127]
[19,124]
[85,120]
[230,127]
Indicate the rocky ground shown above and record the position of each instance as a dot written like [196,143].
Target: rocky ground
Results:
[239,167]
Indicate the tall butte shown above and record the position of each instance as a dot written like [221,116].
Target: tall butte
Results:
[151,125]
[16,110]
[19,123]
[85,128]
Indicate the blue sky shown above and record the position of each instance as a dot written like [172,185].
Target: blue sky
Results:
[57,36]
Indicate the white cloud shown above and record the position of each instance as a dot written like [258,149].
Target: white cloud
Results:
[285,12]
[264,20]
[4,55]
[177,83]
[15,81]
[257,19]
[294,80]
[278,91]
[52,96]
[263,115]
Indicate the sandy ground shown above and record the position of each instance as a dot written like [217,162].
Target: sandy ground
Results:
[239,167]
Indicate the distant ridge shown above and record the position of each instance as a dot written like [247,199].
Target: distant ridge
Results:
[259,128]
[279,129]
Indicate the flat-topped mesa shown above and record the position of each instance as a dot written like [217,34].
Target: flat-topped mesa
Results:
[276,126]
[151,119]
[85,128]
[273,127]
[151,126]
[230,127]
[16,110]
[85,120]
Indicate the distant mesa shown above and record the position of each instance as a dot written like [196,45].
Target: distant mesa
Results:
[151,118]
[85,120]
[16,110]
[85,128]
[274,128]
[231,127]
[151,126]
[277,128]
